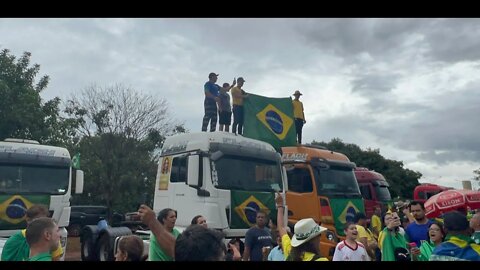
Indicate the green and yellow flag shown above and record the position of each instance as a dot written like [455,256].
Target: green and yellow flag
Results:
[269,120]
[76,161]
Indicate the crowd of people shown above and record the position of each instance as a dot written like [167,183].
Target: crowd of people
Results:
[453,238]
[217,105]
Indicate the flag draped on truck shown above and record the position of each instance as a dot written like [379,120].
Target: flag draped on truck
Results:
[269,120]
[13,209]
[245,205]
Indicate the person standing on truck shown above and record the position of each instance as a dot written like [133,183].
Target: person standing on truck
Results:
[417,230]
[211,90]
[224,107]
[162,239]
[43,237]
[305,244]
[238,94]
[16,248]
[299,115]
[256,238]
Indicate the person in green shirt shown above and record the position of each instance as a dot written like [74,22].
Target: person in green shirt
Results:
[475,225]
[164,235]
[43,237]
[436,235]
[391,240]
[16,247]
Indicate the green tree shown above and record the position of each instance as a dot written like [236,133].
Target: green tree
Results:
[121,133]
[23,114]
[402,180]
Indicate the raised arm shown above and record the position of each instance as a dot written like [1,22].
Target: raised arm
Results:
[165,239]
[280,214]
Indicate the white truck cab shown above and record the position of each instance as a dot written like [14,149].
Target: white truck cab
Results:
[221,176]
[30,174]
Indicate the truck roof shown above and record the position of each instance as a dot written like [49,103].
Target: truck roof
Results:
[33,149]
[309,153]
[202,140]
[364,174]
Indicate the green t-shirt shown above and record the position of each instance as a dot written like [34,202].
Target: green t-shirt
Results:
[156,252]
[16,248]
[426,250]
[390,242]
[476,237]
[41,257]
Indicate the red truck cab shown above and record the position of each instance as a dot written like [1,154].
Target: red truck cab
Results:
[374,189]
[423,192]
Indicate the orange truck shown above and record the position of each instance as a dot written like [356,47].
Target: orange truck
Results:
[321,185]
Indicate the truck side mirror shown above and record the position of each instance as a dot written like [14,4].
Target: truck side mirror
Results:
[216,155]
[193,178]
[78,182]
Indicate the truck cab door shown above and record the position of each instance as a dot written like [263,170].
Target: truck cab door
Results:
[302,199]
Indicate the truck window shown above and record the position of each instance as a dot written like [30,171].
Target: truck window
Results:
[241,173]
[383,194]
[336,181]
[299,180]
[30,179]
[179,169]
[366,192]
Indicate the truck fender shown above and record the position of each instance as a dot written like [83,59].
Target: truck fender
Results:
[88,239]
[106,242]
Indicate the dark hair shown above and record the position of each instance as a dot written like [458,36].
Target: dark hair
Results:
[309,246]
[240,242]
[195,219]
[440,225]
[198,243]
[359,216]
[164,214]
[345,227]
[132,245]
[416,203]
[36,228]
[37,210]
[261,211]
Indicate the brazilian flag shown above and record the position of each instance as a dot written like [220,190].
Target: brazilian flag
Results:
[14,207]
[76,161]
[269,120]
[245,205]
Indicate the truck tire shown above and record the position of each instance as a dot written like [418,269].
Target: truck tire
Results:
[88,239]
[106,242]
[74,230]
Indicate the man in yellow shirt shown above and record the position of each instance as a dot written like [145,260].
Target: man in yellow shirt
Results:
[365,236]
[237,97]
[298,115]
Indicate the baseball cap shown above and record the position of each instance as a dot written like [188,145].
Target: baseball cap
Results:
[241,79]
[212,74]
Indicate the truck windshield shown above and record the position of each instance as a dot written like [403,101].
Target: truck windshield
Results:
[382,192]
[240,173]
[27,179]
[336,180]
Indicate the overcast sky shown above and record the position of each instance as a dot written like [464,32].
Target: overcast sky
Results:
[409,87]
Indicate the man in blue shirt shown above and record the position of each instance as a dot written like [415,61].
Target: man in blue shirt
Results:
[418,230]
[211,90]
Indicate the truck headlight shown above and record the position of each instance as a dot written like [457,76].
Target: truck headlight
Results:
[63,241]
[331,236]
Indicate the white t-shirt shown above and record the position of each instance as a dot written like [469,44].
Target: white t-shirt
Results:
[344,252]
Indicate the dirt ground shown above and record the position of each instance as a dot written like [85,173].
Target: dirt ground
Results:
[73,249]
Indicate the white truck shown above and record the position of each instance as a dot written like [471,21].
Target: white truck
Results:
[222,176]
[30,174]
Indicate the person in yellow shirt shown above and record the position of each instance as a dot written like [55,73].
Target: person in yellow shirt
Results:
[305,243]
[298,115]
[365,236]
[376,222]
[237,97]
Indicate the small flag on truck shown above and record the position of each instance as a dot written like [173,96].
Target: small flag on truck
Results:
[76,161]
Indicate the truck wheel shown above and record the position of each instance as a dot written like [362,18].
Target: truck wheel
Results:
[74,230]
[88,239]
[106,242]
